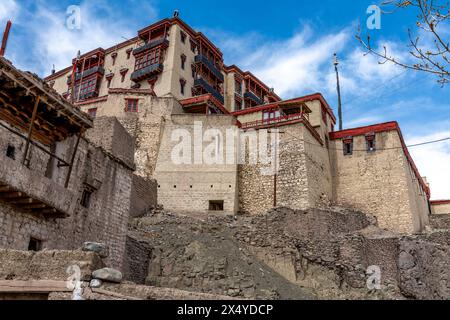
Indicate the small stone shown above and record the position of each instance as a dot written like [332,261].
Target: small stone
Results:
[96,283]
[100,248]
[108,274]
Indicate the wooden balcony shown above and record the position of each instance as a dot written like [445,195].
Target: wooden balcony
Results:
[250,95]
[147,72]
[273,122]
[31,191]
[201,59]
[206,87]
[164,43]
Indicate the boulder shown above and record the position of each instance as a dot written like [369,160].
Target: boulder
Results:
[95,283]
[108,274]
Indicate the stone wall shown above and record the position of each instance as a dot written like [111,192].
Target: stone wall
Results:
[303,179]
[105,219]
[143,196]
[379,183]
[188,186]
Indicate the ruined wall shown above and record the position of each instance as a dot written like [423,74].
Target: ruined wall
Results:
[379,183]
[143,195]
[105,219]
[190,185]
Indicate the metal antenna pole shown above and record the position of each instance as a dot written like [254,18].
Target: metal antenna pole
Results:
[336,63]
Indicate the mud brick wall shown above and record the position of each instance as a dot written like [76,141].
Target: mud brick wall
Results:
[105,220]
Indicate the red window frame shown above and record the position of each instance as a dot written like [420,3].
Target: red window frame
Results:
[88,85]
[147,59]
[132,105]
[92,112]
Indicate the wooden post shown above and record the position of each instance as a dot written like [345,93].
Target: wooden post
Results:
[72,160]
[30,129]
[5,38]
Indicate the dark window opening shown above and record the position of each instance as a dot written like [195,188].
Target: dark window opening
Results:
[86,197]
[216,205]
[114,56]
[11,152]
[183,37]
[34,245]
[183,62]
[193,71]
[182,86]
[370,139]
[348,147]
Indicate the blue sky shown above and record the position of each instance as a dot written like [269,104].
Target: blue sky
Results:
[288,44]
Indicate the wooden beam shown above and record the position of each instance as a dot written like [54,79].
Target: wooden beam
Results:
[33,206]
[72,160]
[12,195]
[33,286]
[30,129]
[23,201]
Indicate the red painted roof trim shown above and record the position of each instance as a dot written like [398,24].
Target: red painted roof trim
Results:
[383,127]
[91,101]
[277,104]
[204,98]
[439,202]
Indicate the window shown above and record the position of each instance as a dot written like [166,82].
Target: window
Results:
[216,205]
[88,86]
[123,73]
[238,85]
[193,46]
[183,37]
[271,115]
[114,56]
[34,245]
[370,141]
[11,152]
[132,105]
[86,197]
[147,59]
[182,86]
[193,71]
[348,146]
[183,61]
[92,112]
[129,53]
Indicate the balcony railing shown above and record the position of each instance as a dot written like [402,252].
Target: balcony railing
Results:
[152,44]
[30,191]
[250,95]
[211,66]
[210,89]
[275,121]
[147,72]
[91,71]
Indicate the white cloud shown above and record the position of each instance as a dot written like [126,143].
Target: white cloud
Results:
[8,10]
[433,161]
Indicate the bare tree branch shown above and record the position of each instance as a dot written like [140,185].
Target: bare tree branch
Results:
[431,56]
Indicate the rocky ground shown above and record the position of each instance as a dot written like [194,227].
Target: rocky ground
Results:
[286,254]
